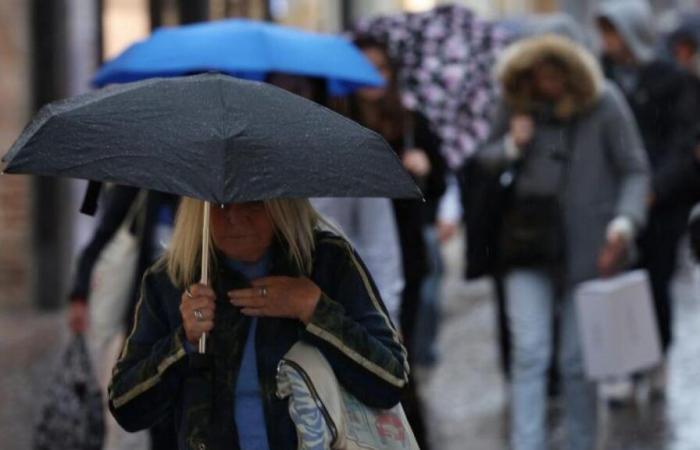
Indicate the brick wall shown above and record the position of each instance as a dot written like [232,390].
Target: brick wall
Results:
[15,224]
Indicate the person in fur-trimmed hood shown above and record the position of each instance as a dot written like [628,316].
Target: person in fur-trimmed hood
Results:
[577,176]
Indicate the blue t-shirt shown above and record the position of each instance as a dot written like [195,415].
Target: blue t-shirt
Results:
[248,406]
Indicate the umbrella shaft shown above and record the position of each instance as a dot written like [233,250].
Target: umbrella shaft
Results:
[205,264]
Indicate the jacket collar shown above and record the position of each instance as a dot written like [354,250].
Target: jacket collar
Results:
[281,264]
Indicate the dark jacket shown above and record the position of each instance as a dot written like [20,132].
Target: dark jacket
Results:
[350,326]
[664,103]
[483,201]
[411,215]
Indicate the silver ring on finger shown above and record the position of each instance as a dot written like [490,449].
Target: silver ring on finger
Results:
[198,315]
[263,291]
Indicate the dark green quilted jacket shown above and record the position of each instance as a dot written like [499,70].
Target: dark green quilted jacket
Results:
[155,375]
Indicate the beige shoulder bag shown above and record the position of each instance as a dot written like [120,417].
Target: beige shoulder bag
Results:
[326,416]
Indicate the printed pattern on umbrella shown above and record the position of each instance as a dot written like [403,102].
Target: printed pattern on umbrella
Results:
[446,58]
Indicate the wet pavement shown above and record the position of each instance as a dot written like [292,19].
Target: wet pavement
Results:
[467,407]
[465,393]
[30,345]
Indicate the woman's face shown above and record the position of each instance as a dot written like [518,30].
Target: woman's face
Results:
[242,231]
[549,81]
[380,61]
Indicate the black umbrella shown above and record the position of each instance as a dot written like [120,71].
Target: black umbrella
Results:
[211,137]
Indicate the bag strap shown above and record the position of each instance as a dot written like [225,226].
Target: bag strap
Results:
[567,157]
[134,217]
[570,151]
[409,130]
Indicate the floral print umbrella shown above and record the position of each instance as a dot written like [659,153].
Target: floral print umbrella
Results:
[446,57]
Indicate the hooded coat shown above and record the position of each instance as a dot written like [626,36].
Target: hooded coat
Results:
[481,190]
[586,148]
[663,102]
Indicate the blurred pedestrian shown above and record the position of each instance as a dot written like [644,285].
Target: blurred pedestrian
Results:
[484,198]
[411,137]
[368,223]
[409,134]
[148,217]
[568,151]
[684,44]
[442,225]
[657,93]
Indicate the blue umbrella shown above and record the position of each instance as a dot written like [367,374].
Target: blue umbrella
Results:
[245,49]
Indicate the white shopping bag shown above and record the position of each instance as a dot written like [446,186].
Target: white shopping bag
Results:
[617,325]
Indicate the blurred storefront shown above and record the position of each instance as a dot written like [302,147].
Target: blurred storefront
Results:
[15,217]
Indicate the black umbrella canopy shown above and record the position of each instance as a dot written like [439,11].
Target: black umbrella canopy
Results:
[211,137]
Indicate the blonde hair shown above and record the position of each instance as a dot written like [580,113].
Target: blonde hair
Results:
[294,222]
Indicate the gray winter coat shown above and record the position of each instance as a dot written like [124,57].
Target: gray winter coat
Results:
[586,149]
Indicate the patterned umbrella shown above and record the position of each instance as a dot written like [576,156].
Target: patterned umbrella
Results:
[446,56]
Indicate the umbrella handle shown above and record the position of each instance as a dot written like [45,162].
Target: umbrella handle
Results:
[205,265]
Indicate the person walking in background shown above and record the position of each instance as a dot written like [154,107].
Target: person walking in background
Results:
[484,198]
[442,222]
[566,144]
[684,44]
[657,93]
[149,218]
[368,223]
[409,134]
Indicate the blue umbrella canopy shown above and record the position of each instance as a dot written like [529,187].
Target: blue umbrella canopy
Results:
[245,49]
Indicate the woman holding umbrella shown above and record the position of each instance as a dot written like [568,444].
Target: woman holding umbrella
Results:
[278,279]
[411,138]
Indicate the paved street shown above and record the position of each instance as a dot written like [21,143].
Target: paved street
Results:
[30,347]
[467,401]
[466,392]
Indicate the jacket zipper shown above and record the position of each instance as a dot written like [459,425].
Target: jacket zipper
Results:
[317,398]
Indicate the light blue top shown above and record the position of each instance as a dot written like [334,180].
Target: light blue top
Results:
[248,405]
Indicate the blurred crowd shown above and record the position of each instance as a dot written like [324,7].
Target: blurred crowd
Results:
[564,161]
